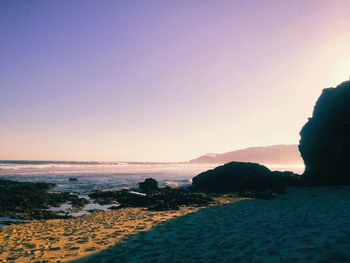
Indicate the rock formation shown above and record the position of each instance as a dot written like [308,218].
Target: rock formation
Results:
[149,184]
[161,199]
[243,177]
[325,139]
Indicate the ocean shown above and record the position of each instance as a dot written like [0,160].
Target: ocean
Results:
[105,175]
[98,175]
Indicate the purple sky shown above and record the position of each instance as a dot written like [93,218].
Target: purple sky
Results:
[163,80]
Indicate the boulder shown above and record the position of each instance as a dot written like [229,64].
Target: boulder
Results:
[149,184]
[243,177]
[325,139]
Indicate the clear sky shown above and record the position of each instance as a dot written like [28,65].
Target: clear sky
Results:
[163,80]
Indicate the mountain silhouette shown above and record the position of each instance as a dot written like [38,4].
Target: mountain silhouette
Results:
[275,154]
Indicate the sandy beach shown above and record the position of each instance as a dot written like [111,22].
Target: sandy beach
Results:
[305,225]
[175,131]
[61,240]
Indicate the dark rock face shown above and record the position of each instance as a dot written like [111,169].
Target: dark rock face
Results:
[149,184]
[325,139]
[242,177]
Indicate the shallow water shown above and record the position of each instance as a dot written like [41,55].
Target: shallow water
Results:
[68,208]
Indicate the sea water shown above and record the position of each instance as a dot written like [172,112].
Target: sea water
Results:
[84,177]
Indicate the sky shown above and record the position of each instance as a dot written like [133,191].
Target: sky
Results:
[163,80]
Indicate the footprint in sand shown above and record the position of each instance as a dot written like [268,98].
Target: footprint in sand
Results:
[90,249]
[54,249]
[74,248]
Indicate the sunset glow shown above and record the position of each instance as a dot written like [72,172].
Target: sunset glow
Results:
[163,80]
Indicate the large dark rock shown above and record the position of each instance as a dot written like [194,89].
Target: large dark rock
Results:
[243,177]
[149,184]
[325,139]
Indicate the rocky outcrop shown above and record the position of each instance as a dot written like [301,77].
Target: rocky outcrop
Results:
[243,177]
[25,200]
[161,199]
[149,184]
[325,139]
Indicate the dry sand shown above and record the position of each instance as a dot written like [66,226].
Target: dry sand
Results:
[306,225]
[62,240]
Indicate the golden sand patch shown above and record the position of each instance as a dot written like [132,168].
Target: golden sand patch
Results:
[61,240]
